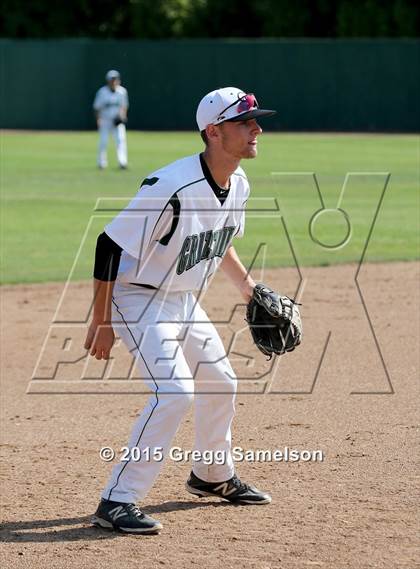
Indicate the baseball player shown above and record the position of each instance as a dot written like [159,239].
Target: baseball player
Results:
[110,106]
[151,264]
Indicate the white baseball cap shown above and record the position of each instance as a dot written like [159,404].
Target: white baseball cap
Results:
[112,74]
[228,104]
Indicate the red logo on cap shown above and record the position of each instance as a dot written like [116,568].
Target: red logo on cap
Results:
[246,103]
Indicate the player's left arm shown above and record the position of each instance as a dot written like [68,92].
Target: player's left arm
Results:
[124,106]
[123,114]
[236,271]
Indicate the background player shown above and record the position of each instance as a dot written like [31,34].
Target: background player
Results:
[166,244]
[110,106]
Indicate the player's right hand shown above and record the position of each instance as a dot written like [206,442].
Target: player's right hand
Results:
[99,340]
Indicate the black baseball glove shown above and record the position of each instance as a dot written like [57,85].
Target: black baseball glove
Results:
[274,321]
[119,120]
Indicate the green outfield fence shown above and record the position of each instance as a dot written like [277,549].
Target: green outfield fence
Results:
[315,84]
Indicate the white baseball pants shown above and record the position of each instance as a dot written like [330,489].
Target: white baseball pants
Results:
[107,127]
[182,360]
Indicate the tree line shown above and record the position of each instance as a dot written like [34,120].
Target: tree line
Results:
[161,19]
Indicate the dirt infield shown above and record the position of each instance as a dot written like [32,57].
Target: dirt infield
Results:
[336,393]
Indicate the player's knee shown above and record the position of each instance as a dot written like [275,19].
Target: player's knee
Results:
[229,385]
[180,399]
[232,385]
[184,400]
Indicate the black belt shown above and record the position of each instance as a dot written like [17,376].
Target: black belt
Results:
[145,286]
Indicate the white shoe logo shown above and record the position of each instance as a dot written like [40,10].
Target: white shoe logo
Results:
[224,489]
[116,513]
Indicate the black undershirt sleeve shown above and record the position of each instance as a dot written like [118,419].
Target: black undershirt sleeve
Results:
[107,258]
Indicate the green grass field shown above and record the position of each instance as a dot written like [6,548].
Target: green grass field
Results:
[49,186]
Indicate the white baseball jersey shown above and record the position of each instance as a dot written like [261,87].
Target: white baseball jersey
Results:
[176,230]
[108,103]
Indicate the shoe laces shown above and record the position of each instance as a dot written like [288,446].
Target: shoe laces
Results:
[241,486]
[134,510]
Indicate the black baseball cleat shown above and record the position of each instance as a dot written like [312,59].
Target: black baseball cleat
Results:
[123,517]
[232,490]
